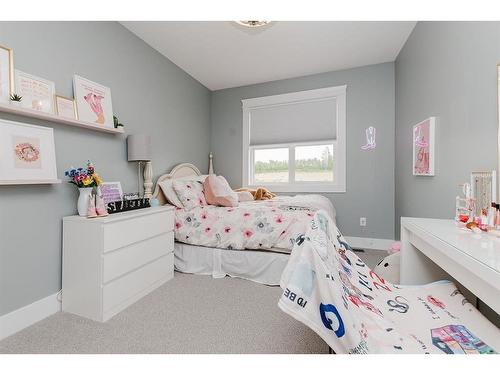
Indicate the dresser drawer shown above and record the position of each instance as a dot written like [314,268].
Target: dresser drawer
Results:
[126,232]
[127,289]
[136,255]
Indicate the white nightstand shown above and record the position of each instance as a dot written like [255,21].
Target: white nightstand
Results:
[111,262]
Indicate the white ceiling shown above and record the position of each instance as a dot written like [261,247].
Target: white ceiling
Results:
[222,54]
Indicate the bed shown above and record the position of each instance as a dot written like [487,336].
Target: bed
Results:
[252,241]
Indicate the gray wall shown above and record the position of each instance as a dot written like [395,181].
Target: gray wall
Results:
[150,95]
[447,70]
[370,174]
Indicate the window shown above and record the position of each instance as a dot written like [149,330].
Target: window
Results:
[296,142]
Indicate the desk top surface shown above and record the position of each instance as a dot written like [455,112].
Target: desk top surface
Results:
[484,247]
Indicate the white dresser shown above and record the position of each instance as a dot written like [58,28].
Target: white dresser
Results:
[111,262]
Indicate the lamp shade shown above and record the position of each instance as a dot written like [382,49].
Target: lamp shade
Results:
[139,147]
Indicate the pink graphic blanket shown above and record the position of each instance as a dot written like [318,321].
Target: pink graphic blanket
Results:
[328,288]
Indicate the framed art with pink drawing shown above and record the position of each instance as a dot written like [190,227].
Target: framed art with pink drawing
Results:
[27,154]
[93,102]
[37,93]
[423,147]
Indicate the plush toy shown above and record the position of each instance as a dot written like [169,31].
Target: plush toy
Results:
[388,268]
[395,247]
[259,194]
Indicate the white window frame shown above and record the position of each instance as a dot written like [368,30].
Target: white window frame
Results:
[339,145]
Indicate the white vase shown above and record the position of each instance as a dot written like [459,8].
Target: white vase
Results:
[15,103]
[83,200]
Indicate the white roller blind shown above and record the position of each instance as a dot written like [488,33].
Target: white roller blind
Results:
[305,121]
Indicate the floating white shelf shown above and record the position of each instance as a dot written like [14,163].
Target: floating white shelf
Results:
[30,182]
[54,118]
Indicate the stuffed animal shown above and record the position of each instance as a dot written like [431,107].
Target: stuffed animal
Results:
[259,194]
[388,268]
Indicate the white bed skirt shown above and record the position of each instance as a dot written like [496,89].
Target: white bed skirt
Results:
[263,267]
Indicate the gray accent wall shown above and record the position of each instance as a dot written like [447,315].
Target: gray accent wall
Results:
[370,174]
[150,95]
[447,70]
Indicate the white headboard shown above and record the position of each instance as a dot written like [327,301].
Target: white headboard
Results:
[179,171]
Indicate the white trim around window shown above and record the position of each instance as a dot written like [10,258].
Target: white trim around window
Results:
[339,144]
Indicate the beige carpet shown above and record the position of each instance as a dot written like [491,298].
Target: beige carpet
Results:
[189,314]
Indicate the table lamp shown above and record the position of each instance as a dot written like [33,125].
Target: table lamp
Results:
[139,149]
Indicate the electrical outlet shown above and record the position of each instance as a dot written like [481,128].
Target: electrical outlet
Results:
[362,221]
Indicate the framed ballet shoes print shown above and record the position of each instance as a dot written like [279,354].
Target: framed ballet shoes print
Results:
[93,102]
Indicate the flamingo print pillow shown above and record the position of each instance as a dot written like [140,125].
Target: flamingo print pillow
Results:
[190,193]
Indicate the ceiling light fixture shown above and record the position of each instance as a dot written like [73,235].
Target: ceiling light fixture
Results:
[252,24]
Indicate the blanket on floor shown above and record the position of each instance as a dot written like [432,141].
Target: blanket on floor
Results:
[328,288]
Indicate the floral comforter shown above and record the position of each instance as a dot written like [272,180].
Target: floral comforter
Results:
[259,225]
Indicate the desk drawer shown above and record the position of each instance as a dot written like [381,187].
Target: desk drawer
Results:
[129,288]
[126,232]
[136,255]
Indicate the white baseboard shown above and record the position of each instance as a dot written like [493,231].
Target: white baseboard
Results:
[25,316]
[369,243]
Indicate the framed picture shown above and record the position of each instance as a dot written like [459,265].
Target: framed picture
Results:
[27,153]
[6,74]
[93,102]
[38,93]
[65,107]
[423,147]
[111,191]
[484,190]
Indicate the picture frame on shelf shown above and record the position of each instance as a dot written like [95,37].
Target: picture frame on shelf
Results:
[37,93]
[27,154]
[6,74]
[423,139]
[111,191]
[66,107]
[93,102]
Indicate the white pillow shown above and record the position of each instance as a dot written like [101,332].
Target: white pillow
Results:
[169,192]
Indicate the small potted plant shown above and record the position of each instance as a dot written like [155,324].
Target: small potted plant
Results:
[15,100]
[117,122]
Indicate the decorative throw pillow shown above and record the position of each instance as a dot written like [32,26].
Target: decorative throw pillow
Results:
[218,192]
[190,193]
[169,192]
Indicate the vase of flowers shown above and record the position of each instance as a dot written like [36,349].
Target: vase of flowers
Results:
[83,200]
[87,181]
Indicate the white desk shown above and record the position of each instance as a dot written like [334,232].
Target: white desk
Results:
[429,246]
